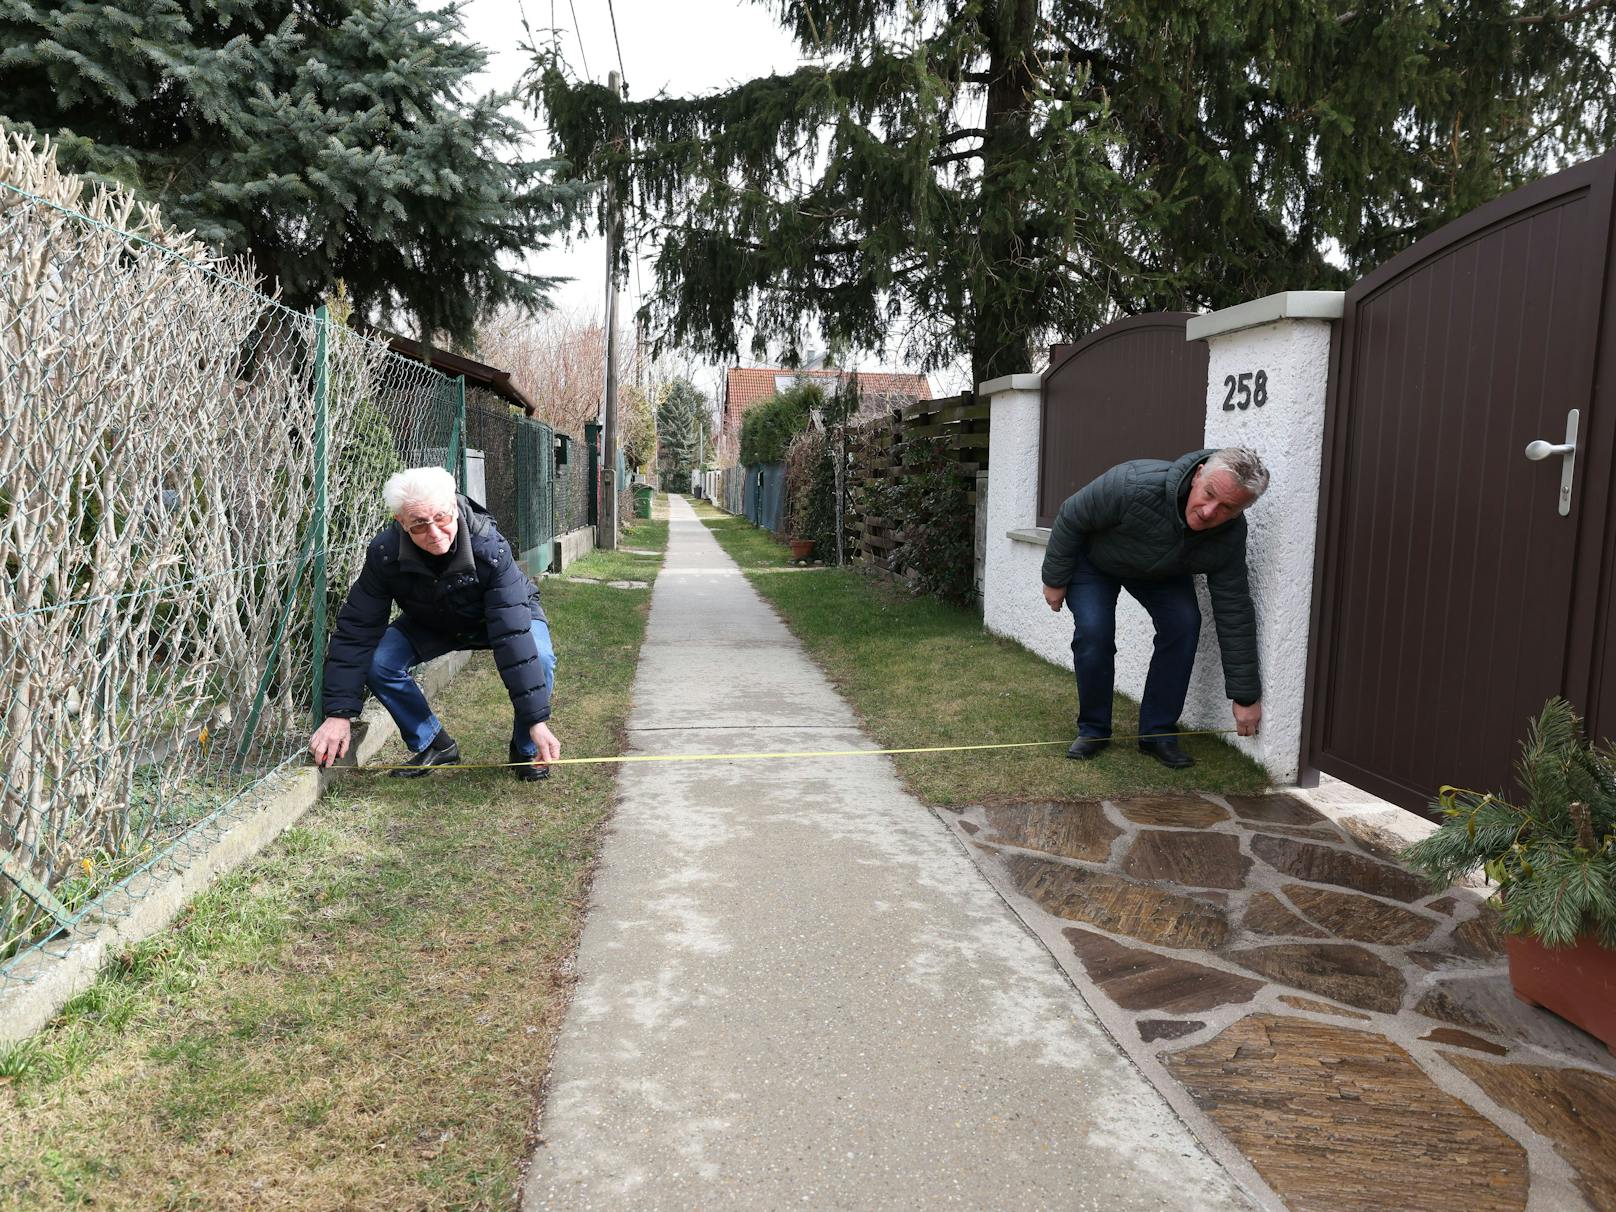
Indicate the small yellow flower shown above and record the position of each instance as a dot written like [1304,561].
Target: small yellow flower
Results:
[88,865]
[202,737]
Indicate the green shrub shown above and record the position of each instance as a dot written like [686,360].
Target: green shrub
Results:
[811,491]
[1552,857]
[767,430]
[928,508]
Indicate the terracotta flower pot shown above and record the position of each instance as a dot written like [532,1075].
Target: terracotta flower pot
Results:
[1578,983]
[802,549]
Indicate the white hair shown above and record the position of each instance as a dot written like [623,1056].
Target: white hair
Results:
[429,486]
[1245,465]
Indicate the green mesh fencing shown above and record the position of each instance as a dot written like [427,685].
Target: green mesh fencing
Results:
[535,513]
[573,486]
[189,474]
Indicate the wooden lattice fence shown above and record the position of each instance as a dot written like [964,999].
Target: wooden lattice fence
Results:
[881,454]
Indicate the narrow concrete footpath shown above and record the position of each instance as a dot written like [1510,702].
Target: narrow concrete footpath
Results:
[796,990]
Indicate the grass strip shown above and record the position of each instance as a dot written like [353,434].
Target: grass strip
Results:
[919,672]
[361,1017]
[749,546]
[645,534]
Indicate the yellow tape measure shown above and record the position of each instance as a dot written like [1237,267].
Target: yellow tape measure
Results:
[780,754]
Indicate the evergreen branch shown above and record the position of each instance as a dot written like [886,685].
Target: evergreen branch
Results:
[1562,17]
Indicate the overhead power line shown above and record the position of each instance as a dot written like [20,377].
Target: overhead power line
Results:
[612,9]
[578,32]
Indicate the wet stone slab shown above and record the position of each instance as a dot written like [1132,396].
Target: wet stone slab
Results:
[1478,938]
[1573,1108]
[1341,1120]
[1181,812]
[1142,980]
[1338,971]
[1307,1003]
[1348,915]
[1485,1002]
[1321,834]
[1153,1029]
[1078,830]
[1341,868]
[1119,905]
[1267,914]
[1471,944]
[1463,1039]
[1274,809]
[1195,860]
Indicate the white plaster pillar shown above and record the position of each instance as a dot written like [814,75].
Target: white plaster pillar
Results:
[1285,339]
[1012,594]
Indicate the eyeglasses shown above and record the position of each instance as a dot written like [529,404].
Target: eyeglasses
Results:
[438,521]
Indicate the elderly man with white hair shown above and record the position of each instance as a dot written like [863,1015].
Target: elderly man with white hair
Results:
[457,585]
[1148,526]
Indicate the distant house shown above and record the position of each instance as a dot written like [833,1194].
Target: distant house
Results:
[745,387]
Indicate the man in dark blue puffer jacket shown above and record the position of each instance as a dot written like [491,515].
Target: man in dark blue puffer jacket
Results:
[457,585]
[1148,526]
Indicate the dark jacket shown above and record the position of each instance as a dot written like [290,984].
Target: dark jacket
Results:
[1129,522]
[482,599]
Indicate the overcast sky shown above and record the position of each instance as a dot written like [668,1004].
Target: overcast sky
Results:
[682,47]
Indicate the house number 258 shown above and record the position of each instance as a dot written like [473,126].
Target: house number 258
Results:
[1245,390]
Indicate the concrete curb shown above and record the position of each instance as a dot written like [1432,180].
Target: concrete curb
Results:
[40,984]
[573,545]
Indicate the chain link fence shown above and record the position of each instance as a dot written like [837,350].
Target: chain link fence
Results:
[516,453]
[189,473]
[575,489]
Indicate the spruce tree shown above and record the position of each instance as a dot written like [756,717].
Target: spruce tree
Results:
[976,175]
[327,139]
[683,430]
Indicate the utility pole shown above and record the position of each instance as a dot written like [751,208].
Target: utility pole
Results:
[606,532]
[639,344]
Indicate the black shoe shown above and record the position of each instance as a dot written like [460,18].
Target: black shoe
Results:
[420,764]
[1167,752]
[1086,747]
[527,772]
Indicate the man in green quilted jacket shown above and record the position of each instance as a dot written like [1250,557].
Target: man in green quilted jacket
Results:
[1148,526]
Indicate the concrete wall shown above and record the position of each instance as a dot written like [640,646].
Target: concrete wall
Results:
[1288,431]
[1287,337]
[573,545]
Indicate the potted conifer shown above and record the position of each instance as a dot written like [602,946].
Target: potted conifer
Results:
[1552,858]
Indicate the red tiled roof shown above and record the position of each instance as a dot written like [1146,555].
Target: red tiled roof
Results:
[747,386]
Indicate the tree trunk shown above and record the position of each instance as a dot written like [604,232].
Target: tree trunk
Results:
[1006,295]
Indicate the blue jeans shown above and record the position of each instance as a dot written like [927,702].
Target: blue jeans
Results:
[396,690]
[1176,612]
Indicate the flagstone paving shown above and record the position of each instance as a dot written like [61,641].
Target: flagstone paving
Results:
[1309,1007]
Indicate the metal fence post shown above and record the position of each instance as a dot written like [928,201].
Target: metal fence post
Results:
[321,522]
[455,456]
[592,438]
[460,428]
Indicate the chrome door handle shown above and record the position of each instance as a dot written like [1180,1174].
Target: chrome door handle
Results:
[1567,450]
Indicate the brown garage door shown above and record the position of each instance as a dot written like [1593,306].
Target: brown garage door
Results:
[1454,596]
[1132,390]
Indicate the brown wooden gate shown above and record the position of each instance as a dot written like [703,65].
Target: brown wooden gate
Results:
[1135,389]
[1453,596]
